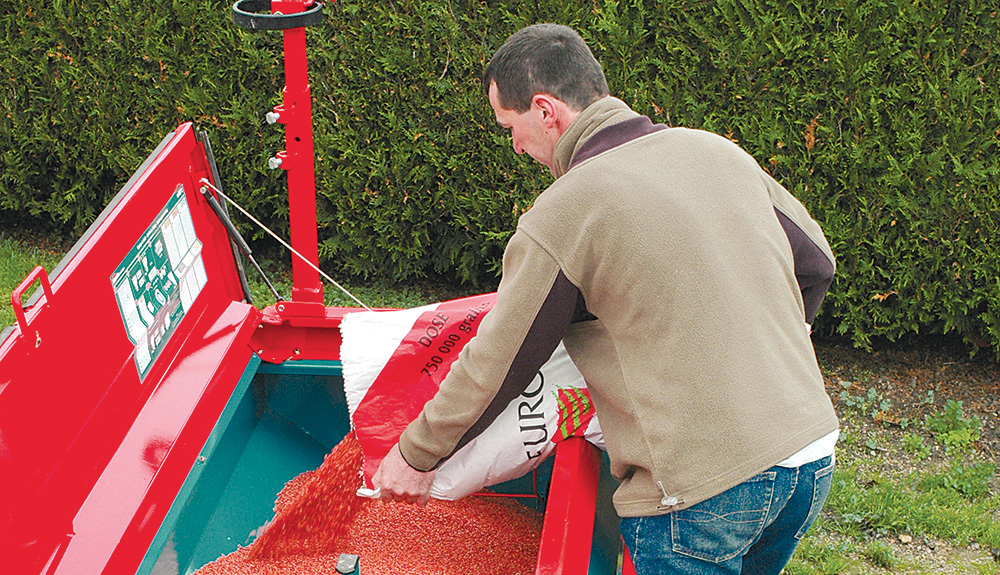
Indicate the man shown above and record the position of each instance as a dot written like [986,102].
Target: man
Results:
[681,278]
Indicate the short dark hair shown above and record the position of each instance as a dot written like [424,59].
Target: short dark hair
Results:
[545,58]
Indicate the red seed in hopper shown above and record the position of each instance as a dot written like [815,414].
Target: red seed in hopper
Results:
[473,536]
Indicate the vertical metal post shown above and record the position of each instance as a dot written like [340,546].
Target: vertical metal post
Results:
[298,158]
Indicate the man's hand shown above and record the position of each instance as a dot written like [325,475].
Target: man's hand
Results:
[400,482]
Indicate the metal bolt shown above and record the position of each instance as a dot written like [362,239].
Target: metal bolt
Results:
[202,459]
[272,117]
[274,163]
[281,308]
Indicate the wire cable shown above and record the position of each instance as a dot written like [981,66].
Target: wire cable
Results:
[284,243]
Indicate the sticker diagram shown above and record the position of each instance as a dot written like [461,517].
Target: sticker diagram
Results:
[159,280]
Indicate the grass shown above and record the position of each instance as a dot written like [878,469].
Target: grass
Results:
[899,494]
[899,491]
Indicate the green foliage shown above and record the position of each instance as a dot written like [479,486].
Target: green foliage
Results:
[915,446]
[882,116]
[871,402]
[815,558]
[376,294]
[880,554]
[414,178]
[972,481]
[90,88]
[932,503]
[952,428]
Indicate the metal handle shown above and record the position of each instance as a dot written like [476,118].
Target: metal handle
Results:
[15,296]
[246,14]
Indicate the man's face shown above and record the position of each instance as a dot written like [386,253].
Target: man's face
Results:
[528,132]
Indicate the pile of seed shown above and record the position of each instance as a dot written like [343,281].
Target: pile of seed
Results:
[472,536]
[318,516]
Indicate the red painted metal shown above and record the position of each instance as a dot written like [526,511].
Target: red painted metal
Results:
[298,159]
[92,454]
[37,274]
[285,333]
[568,527]
[627,567]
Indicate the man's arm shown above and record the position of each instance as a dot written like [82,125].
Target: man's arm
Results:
[535,305]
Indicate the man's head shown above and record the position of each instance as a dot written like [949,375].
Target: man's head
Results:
[545,59]
[538,82]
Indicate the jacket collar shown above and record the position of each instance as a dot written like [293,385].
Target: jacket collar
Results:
[603,113]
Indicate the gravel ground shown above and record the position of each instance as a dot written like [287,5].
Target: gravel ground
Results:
[917,377]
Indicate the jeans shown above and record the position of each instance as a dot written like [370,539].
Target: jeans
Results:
[751,529]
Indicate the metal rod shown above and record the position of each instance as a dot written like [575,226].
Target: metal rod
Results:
[213,169]
[234,236]
[299,161]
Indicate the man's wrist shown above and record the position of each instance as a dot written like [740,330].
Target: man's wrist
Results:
[414,457]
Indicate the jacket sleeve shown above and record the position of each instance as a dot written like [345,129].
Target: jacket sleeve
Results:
[814,261]
[535,305]
[813,270]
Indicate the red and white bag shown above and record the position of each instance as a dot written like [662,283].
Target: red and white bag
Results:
[394,362]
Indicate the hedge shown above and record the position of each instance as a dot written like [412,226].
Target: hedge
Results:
[882,116]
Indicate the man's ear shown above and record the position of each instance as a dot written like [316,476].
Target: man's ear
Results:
[548,107]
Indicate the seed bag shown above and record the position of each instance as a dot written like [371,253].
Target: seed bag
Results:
[394,362]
